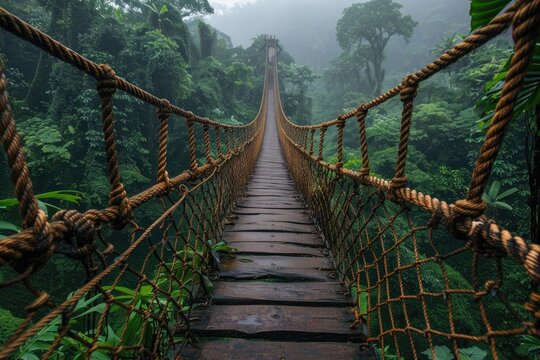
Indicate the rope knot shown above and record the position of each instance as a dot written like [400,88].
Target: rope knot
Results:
[107,83]
[364,172]
[361,112]
[118,197]
[79,241]
[468,208]
[190,117]
[409,87]
[165,110]
[397,182]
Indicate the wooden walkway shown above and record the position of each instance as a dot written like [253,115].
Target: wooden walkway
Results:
[278,299]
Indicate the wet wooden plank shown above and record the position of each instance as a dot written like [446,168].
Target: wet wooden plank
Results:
[287,238]
[270,226]
[224,349]
[279,267]
[261,211]
[271,204]
[293,217]
[276,322]
[271,192]
[275,248]
[326,294]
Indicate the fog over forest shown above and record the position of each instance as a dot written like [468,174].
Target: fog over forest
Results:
[307,28]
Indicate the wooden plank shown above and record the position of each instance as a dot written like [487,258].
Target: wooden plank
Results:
[297,293]
[261,211]
[251,203]
[279,267]
[276,322]
[286,238]
[234,349]
[294,217]
[272,192]
[275,248]
[269,226]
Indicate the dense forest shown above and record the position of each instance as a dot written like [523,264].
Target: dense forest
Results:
[169,49]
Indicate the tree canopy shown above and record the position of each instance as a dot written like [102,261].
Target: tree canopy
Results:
[365,30]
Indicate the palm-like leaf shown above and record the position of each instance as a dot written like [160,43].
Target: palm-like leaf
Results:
[482,12]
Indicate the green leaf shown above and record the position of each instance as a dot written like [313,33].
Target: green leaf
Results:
[4,225]
[483,11]
[163,9]
[63,195]
[502,205]
[527,99]
[494,189]
[473,353]
[507,193]
[208,285]
[441,353]
[71,196]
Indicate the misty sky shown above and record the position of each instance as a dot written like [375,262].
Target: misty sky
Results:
[307,28]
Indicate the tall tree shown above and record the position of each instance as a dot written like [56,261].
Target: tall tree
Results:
[365,30]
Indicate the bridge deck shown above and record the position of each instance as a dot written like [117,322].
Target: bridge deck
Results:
[278,299]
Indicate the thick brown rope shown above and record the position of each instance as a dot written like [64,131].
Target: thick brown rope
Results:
[106,87]
[192,144]
[322,132]
[408,93]
[33,217]
[164,113]
[364,171]
[207,146]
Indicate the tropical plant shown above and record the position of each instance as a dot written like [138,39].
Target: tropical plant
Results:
[444,353]
[482,12]
[529,347]
[70,196]
[493,198]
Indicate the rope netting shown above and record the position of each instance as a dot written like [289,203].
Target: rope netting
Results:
[389,242]
[134,298]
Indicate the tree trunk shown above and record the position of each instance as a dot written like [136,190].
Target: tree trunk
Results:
[36,94]
[378,72]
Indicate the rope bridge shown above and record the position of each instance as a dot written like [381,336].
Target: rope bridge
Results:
[387,241]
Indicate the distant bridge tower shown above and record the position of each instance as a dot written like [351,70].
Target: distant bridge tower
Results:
[272,48]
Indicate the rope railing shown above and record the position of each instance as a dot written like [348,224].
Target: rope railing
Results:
[154,280]
[371,230]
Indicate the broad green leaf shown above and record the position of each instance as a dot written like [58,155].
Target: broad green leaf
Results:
[483,11]
[208,285]
[441,353]
[163,9]
[4,225]
[71,196]
[528,97]
[502,205]
[494,189]
[473,353]
[507,193]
